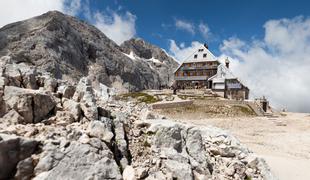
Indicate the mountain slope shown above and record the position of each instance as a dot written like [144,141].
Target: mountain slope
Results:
[155,56]
[69,49]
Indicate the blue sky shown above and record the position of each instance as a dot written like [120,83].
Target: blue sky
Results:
[155,19]
[267,42]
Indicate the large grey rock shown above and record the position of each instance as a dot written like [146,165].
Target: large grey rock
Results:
[67,91]
[179,170]
[78,161]
[167,137]
[13,75]
[13,117]
[85,95]
[24,169]
[196,149]
[20,75]
[129,173]
[101,130]
[32,105]
[14,149]
[72,107]
[120,122]
[29,76]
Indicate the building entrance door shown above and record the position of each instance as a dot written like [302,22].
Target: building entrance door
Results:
[209,84]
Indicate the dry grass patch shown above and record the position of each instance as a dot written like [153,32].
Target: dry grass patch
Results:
[138,96]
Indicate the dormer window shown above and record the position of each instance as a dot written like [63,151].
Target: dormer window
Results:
[204,55]
[195,56]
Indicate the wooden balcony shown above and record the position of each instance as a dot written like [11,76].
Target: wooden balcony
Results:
[198,67]
[190,78]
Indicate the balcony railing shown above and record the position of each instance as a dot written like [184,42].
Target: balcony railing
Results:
[198,67]
[190,78]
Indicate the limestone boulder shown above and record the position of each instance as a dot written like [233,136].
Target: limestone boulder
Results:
[178,169]
[24,169]
[73,107]
[85,95]
[101,130]
[13,75]
[120,122]
[50,84]
[13,117]
[29,76]
[32,105]
[78,161]
[129,173]
[13,150]
[67,91]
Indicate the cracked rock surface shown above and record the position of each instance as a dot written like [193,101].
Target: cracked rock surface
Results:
[86,137]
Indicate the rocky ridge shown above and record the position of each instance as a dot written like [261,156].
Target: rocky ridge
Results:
[156,57]
[52,129]
[69,49]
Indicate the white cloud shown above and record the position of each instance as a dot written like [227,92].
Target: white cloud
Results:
[204,30]
[17,10]
[180,52]
[184,25]
[117,27]
[71,7]
[278,65]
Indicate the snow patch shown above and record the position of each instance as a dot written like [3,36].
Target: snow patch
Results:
[131,55]
[154,60]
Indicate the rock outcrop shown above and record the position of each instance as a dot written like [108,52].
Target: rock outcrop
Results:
[156,57]
[179,151]
[70,49]
[32,105]
[48,132]
[14,156]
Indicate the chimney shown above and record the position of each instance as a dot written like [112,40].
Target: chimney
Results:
[206,45]
[227,62]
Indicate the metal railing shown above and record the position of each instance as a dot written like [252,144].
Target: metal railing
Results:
[198,67]
[191,78]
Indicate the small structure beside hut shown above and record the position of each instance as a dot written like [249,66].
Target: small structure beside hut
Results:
[203,70]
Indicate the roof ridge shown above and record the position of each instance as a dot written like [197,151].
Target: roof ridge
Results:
[210,56]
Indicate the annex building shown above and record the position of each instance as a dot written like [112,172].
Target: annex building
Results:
[203,70]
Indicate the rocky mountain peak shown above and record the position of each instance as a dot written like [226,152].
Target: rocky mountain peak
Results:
[70,49]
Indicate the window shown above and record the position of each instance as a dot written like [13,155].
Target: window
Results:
[204,55]
[195,56]
[200,50]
